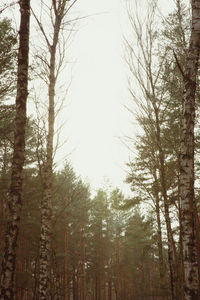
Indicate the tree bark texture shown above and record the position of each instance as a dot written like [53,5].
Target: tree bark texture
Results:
[45,245]
[188,204]
[15,196]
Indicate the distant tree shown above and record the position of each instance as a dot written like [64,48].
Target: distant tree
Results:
[71,230]
[8,59]
[118,221]
[8,81]
[99,242]
[139,252]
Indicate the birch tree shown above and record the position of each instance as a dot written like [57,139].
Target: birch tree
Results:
[51,60]
[188,203]
[15,195]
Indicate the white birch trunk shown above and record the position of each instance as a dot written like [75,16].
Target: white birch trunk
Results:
[188,205]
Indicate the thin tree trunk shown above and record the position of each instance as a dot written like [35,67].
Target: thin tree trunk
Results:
[110,281]
[35,284]
[104,287]
[197,235]
[74,282]
[82,292]
[99,286]
[188,204]
[15,197]
[180,262]
[59,10]
[159,233]
[117,287]
[66,273]
[96,287]
[3,190]
[172,255]
[45,245]
[46,203]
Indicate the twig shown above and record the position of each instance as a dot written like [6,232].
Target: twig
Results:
[178,64]
[8,5]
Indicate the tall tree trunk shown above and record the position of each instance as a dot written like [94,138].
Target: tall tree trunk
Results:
[3,196]
[46,203]
[74,283]
[15,197]
[83,283]
[66,272]
[159,233]
[96,287]
[188,204]
[172,255]
[45,244]
[117,283]
[104,287]
[180,258]
[110,280]
[99,286]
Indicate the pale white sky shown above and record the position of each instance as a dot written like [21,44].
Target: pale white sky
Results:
[96,116]
[95,113]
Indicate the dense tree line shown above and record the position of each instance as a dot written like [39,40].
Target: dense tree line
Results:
[59,241]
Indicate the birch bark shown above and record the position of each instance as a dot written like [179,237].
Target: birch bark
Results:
[46,211]
[188,204]
[57,13]
[15,197]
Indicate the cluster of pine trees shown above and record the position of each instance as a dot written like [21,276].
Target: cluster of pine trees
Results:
[57,240]
[97,250]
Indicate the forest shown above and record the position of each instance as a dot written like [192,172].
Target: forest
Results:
[58,239]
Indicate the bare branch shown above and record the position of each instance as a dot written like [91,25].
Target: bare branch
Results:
[178,64]
[8,6]
[42,29]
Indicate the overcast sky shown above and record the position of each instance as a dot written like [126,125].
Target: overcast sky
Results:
[96,117]
[95,113]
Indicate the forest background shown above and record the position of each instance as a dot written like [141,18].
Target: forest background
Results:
[104,245]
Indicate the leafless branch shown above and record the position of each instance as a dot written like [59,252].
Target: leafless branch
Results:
[8,6]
